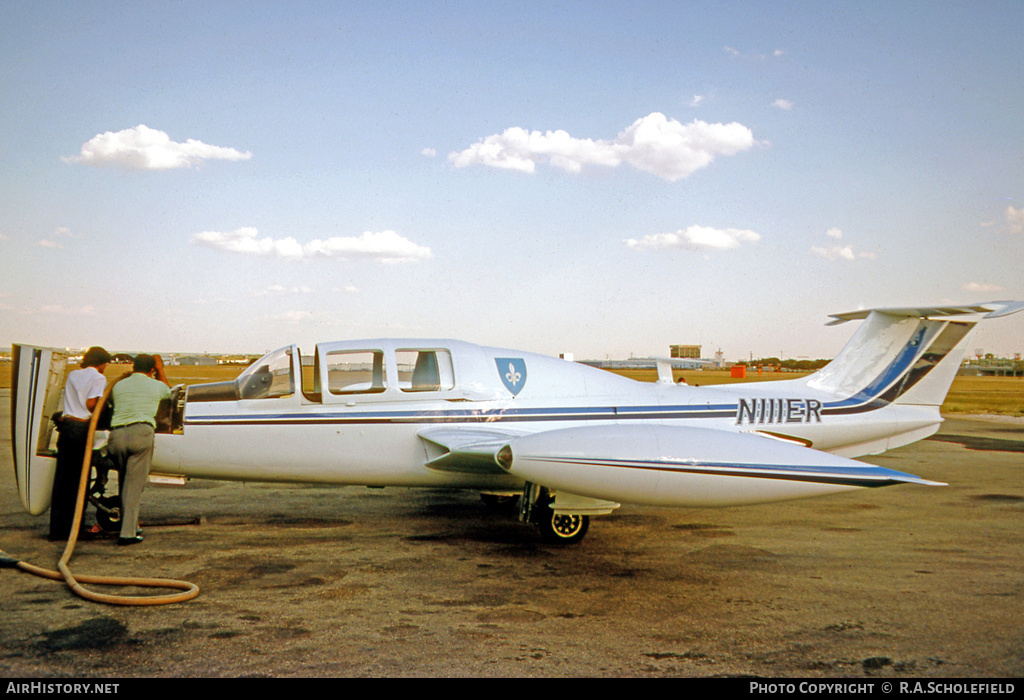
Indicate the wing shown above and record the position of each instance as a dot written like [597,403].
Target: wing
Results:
[683,466]
[475,450]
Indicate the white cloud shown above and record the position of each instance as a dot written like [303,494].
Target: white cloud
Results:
[290,316]
[142,148]
[782,104]
[777,53]
[982,287]
[834,252]
[839,252]
[697,99]
[60,232]
[654,144]
[428,152]
[1015,218]
[281,289]
[696,238]
[60,310]
[244,240]
[386,246]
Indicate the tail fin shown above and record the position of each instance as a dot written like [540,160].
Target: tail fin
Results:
[903,355]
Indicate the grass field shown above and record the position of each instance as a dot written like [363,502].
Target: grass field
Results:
[971,395]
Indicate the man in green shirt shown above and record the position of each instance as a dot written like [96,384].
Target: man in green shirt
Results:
[136,399]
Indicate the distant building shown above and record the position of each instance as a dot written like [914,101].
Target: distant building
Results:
[197,360]
[688,351]
[644,363]
[992,368]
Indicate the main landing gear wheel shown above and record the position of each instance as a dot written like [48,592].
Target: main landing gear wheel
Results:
[562,528]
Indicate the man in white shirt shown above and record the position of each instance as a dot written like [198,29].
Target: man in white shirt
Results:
[82,391]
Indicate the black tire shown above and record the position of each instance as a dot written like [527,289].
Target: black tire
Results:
[560,528]
[109,520]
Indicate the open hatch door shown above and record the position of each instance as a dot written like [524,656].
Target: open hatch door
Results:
[37,379]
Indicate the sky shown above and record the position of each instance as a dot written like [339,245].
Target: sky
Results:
[599,178]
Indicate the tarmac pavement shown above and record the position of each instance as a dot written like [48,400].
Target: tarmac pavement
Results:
[900,582]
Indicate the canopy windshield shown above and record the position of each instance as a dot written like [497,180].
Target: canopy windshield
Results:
[269,377]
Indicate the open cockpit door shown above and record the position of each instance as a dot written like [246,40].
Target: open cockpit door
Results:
[37,378]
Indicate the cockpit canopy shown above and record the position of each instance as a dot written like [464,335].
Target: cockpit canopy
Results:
[350,370]
[364,371]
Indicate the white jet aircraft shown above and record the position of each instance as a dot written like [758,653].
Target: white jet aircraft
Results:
[573,440]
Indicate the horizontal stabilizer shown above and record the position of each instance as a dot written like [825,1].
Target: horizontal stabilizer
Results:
[991,309]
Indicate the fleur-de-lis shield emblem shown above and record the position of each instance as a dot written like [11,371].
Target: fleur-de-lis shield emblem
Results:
[512,371]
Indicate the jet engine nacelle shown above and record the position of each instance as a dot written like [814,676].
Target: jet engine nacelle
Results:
[683,466]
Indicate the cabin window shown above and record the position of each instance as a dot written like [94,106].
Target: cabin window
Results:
[270,377]
[355,372]
[425,370]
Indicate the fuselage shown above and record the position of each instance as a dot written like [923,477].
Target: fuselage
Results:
[353,415]
[429,412]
